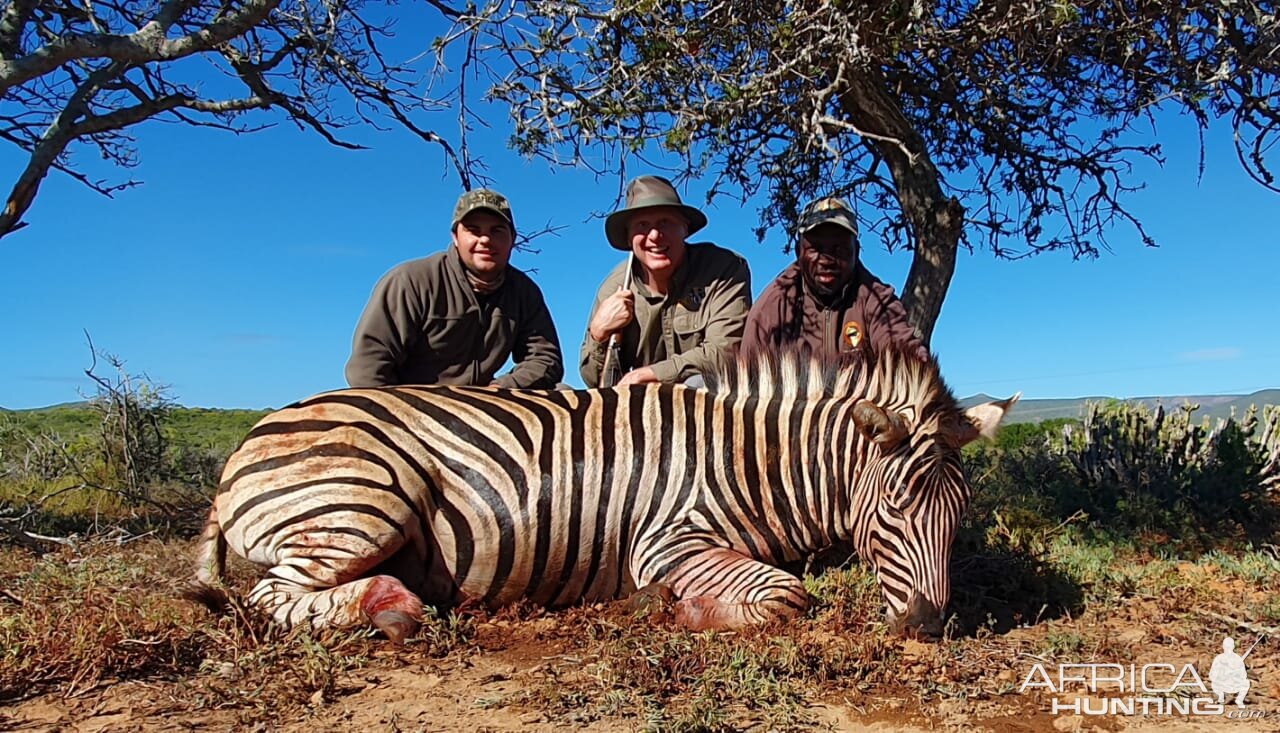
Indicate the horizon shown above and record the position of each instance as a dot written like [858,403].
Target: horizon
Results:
[961,397]
[235,274]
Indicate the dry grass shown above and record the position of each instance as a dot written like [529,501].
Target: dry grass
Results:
[75,618]
[88,620]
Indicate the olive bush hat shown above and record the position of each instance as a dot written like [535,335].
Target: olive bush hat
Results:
[482,199]
[830,210]
[647,192]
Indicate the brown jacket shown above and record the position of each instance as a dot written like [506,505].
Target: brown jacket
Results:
[425,325]
[867,315]
[686,332]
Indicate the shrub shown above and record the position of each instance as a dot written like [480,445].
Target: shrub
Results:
[1153,477]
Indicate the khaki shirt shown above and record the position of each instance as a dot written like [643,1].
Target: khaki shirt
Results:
[425,325]
[686,332]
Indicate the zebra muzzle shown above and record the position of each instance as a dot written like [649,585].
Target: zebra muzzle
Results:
[922,618]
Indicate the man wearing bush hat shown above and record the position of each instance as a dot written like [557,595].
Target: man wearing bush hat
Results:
[686,303]
[827,300]
[456,316]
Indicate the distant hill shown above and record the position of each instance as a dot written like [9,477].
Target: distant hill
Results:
[60,406]
[212,425]
[194,426]
[1213,406]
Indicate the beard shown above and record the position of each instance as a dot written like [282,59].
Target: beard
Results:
[825,291]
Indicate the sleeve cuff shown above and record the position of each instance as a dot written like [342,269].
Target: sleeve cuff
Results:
[665,371]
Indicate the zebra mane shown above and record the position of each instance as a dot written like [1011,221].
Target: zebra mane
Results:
[893,378]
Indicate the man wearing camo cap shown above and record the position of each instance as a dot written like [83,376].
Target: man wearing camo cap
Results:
[456,316]
[827,300]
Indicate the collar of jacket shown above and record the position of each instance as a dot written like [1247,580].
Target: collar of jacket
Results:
[458,271]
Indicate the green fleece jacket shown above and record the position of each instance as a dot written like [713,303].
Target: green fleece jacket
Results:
[425,325]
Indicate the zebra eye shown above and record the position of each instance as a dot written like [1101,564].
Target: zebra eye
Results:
[891,509]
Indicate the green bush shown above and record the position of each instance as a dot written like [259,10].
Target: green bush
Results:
[1158,479]
[129,451]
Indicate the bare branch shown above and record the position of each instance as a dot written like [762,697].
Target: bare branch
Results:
[84,72]
[147,45]
[1008,124]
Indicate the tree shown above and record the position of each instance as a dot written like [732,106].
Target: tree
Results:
[87,71]
[1013,124]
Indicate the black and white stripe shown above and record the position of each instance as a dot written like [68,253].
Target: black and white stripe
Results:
[364,500]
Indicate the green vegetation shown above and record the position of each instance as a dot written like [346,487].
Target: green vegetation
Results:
[1134,477]
[195,427]
[127,454]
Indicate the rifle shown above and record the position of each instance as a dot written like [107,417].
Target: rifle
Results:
[1246,654]
[611,371]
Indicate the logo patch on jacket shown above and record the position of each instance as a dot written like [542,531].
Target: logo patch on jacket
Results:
[693,300]
[852,334]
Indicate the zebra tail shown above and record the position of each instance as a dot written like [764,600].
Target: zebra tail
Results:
[206,585]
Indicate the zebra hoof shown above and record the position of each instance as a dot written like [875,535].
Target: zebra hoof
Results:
[396,625]
[652,598]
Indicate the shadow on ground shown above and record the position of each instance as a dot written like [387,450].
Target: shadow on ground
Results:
[1001,590]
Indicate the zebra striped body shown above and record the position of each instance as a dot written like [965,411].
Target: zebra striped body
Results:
[366,500]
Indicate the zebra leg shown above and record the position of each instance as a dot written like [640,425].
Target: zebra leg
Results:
[381,600]
[724,589]
[325,577]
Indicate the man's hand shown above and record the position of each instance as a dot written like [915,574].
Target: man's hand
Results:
[643,375]
[615,312]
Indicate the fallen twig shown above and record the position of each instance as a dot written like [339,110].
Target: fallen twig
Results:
[1255,628]
[21,537]
[64,541]
[126,540]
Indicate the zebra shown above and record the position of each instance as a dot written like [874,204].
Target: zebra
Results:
[365,503]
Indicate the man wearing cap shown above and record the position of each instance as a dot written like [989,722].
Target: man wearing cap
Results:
[827,300]
[687,303]
[456,316]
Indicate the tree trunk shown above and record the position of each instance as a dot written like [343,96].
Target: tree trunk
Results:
[936,221]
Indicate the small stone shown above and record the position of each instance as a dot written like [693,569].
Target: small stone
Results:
[916,649]
[1069,723]
[1132,636]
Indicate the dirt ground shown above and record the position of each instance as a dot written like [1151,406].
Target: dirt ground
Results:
[430,698]
[569,670]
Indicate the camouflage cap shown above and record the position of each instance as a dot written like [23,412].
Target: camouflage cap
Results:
[830,210]
[482,199]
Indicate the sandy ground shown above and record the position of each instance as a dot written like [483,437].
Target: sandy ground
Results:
[468,697]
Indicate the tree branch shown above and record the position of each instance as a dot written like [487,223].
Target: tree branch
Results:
[145,46]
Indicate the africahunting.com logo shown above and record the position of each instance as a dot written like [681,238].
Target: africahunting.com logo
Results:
[1148,689]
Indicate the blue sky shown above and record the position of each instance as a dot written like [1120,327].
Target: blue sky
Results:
[236,273]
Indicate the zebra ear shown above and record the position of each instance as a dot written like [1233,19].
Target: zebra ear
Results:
[983,420]
[885,428]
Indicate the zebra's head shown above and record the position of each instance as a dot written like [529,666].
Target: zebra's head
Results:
[888,434]
[912,490]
